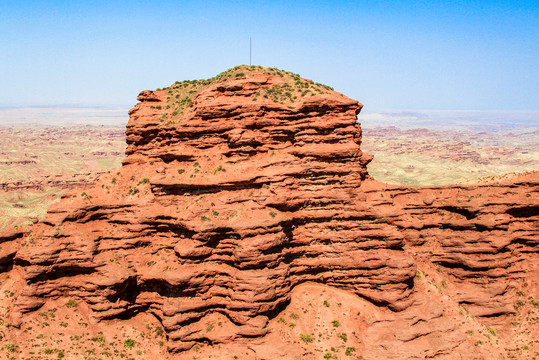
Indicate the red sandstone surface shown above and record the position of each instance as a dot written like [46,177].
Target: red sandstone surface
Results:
[243,224]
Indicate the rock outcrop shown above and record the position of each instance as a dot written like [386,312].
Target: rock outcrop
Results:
[239,191]
[62,181]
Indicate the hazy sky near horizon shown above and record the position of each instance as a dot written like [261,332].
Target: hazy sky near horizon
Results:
[446,55]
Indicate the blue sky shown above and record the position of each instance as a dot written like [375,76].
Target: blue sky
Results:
[458,55]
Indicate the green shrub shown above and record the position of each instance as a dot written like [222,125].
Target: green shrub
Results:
[129,343]
[181,171]
[349,350]
[71,303]
[9,346]
[144,180]
[186,101]
[100,338]
[336,323]
[306,338]
[272,213]
[217,169]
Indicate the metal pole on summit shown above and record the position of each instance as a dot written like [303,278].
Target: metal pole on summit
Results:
[250,50]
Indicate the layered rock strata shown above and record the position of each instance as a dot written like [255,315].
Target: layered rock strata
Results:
[237,189]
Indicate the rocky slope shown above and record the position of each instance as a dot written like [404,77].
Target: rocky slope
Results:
[243,224]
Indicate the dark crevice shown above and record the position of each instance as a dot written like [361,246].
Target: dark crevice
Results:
[96,216]
[7,263]
[57,273]
[165,289]
[527,242]
[251,184]
[199,189]
[497,314]
[462,211]
[451,265]
[13,236]
[126,291]
[481,228]
[318,220]
[213,237]
[306,204]
[141,244]
[524,211]
[176,229]
[128,313]
[167,158]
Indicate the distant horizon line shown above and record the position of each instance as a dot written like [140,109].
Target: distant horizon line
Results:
[126,107]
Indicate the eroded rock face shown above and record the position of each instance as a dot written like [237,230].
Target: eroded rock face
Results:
[236,190]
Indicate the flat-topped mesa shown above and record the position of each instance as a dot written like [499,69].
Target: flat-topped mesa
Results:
[251,121]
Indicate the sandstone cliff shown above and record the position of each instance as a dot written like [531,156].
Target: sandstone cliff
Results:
[244,206]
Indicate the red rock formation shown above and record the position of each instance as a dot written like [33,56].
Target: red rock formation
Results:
[240,191]
[62,181]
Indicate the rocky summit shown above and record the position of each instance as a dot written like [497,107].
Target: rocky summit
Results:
[243,224]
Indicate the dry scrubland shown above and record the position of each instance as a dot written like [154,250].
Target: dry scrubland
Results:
[39,163]
[439,157]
